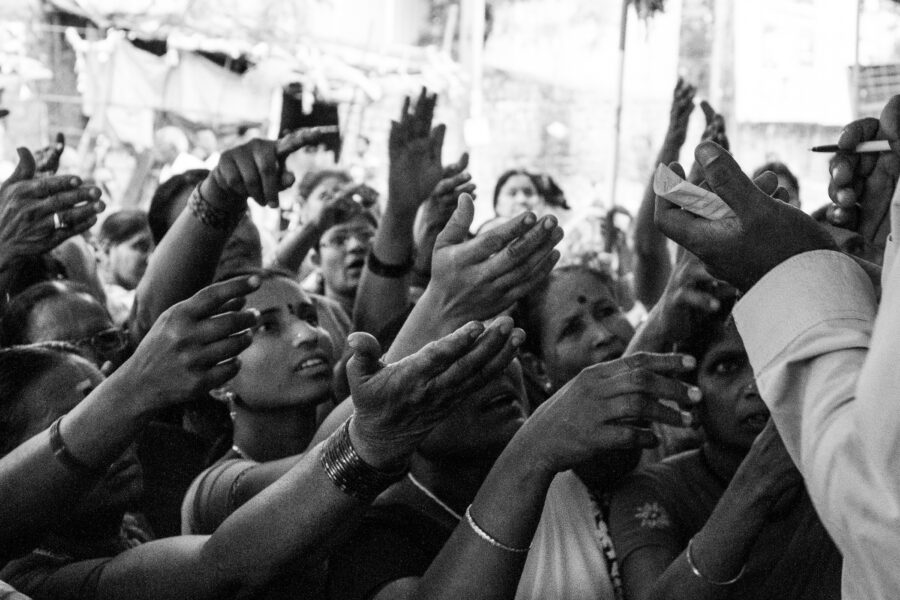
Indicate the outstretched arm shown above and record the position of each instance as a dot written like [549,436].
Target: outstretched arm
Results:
[652,263]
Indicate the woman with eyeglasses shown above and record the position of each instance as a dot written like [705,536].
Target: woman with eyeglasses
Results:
[64,311]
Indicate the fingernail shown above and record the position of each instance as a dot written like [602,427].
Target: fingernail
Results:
[473,329]
[530,218]
[100,206]
[95,192]
[518,338]
[715,304]
[549,222]
[255,312]
[706,153]
[695,394]
[75,182]
[505,327]
[687,419]
[688,361]
[254,281]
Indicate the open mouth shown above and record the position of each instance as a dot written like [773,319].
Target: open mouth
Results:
[315,362]
[356,263]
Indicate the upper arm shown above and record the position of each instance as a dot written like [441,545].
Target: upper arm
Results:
[399,589]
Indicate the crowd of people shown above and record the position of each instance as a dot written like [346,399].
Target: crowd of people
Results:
[388,405]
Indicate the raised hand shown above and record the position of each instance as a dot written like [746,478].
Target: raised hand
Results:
[397,405]
[47,159]
[414,149]
[680,113]
[193,346]
[691,296]
[478,278]
[252,170]
[862,185]
[763,233]
[36,215]
[601,408]
[438,209]
[714,132]
[337,209]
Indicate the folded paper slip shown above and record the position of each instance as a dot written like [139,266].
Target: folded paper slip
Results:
[669,185]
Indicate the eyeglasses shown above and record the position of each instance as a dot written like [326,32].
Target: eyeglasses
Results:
[340,239]
[108,341]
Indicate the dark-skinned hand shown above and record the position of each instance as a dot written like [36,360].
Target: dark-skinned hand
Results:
[763,233]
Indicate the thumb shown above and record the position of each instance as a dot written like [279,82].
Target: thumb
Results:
[456,231]
[366,359]
[25,169]
[725,177]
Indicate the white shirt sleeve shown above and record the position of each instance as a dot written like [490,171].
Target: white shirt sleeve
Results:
[834,392]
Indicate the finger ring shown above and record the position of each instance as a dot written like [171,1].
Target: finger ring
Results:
[57,222]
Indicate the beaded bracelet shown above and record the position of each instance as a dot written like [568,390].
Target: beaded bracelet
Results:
[349,472]
[487,537]
[66,458]
[374,264]
[212,216]
[696,571]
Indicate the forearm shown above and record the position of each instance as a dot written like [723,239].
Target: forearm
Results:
[380,299]
[292,250]
[183,263]
[427,322]
[508,507]
[651,336]
[719,550]
[652,263]
[293,519]
[36,488]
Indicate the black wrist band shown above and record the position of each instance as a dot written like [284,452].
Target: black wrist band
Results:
[385,270]
[213,216]
[349,472]
[62,454]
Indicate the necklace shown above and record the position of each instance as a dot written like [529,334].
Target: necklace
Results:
[437,500]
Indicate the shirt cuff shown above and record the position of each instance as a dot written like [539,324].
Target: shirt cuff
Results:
[801,292]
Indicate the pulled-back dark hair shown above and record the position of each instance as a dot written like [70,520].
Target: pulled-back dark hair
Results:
[313,178]
[14,324]
[528,315]
[780,169]
[164,197]
[121,226]
[546,187]
[20,367]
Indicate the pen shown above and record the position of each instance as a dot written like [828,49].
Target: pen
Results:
[873,146]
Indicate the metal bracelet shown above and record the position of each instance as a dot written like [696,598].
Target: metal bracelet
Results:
[487,537]
[212,216]
[67,459]
[690,560]
[349,472]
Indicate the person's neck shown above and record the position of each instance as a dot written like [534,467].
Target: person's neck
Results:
[723,460]
[345,300]
[264,435]
[454,482]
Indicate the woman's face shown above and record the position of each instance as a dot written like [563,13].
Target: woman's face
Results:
[80,319]
[55,393]
[517,195]
[127,261]
[289,361]
[581,325]
[483,424]
[732,412]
